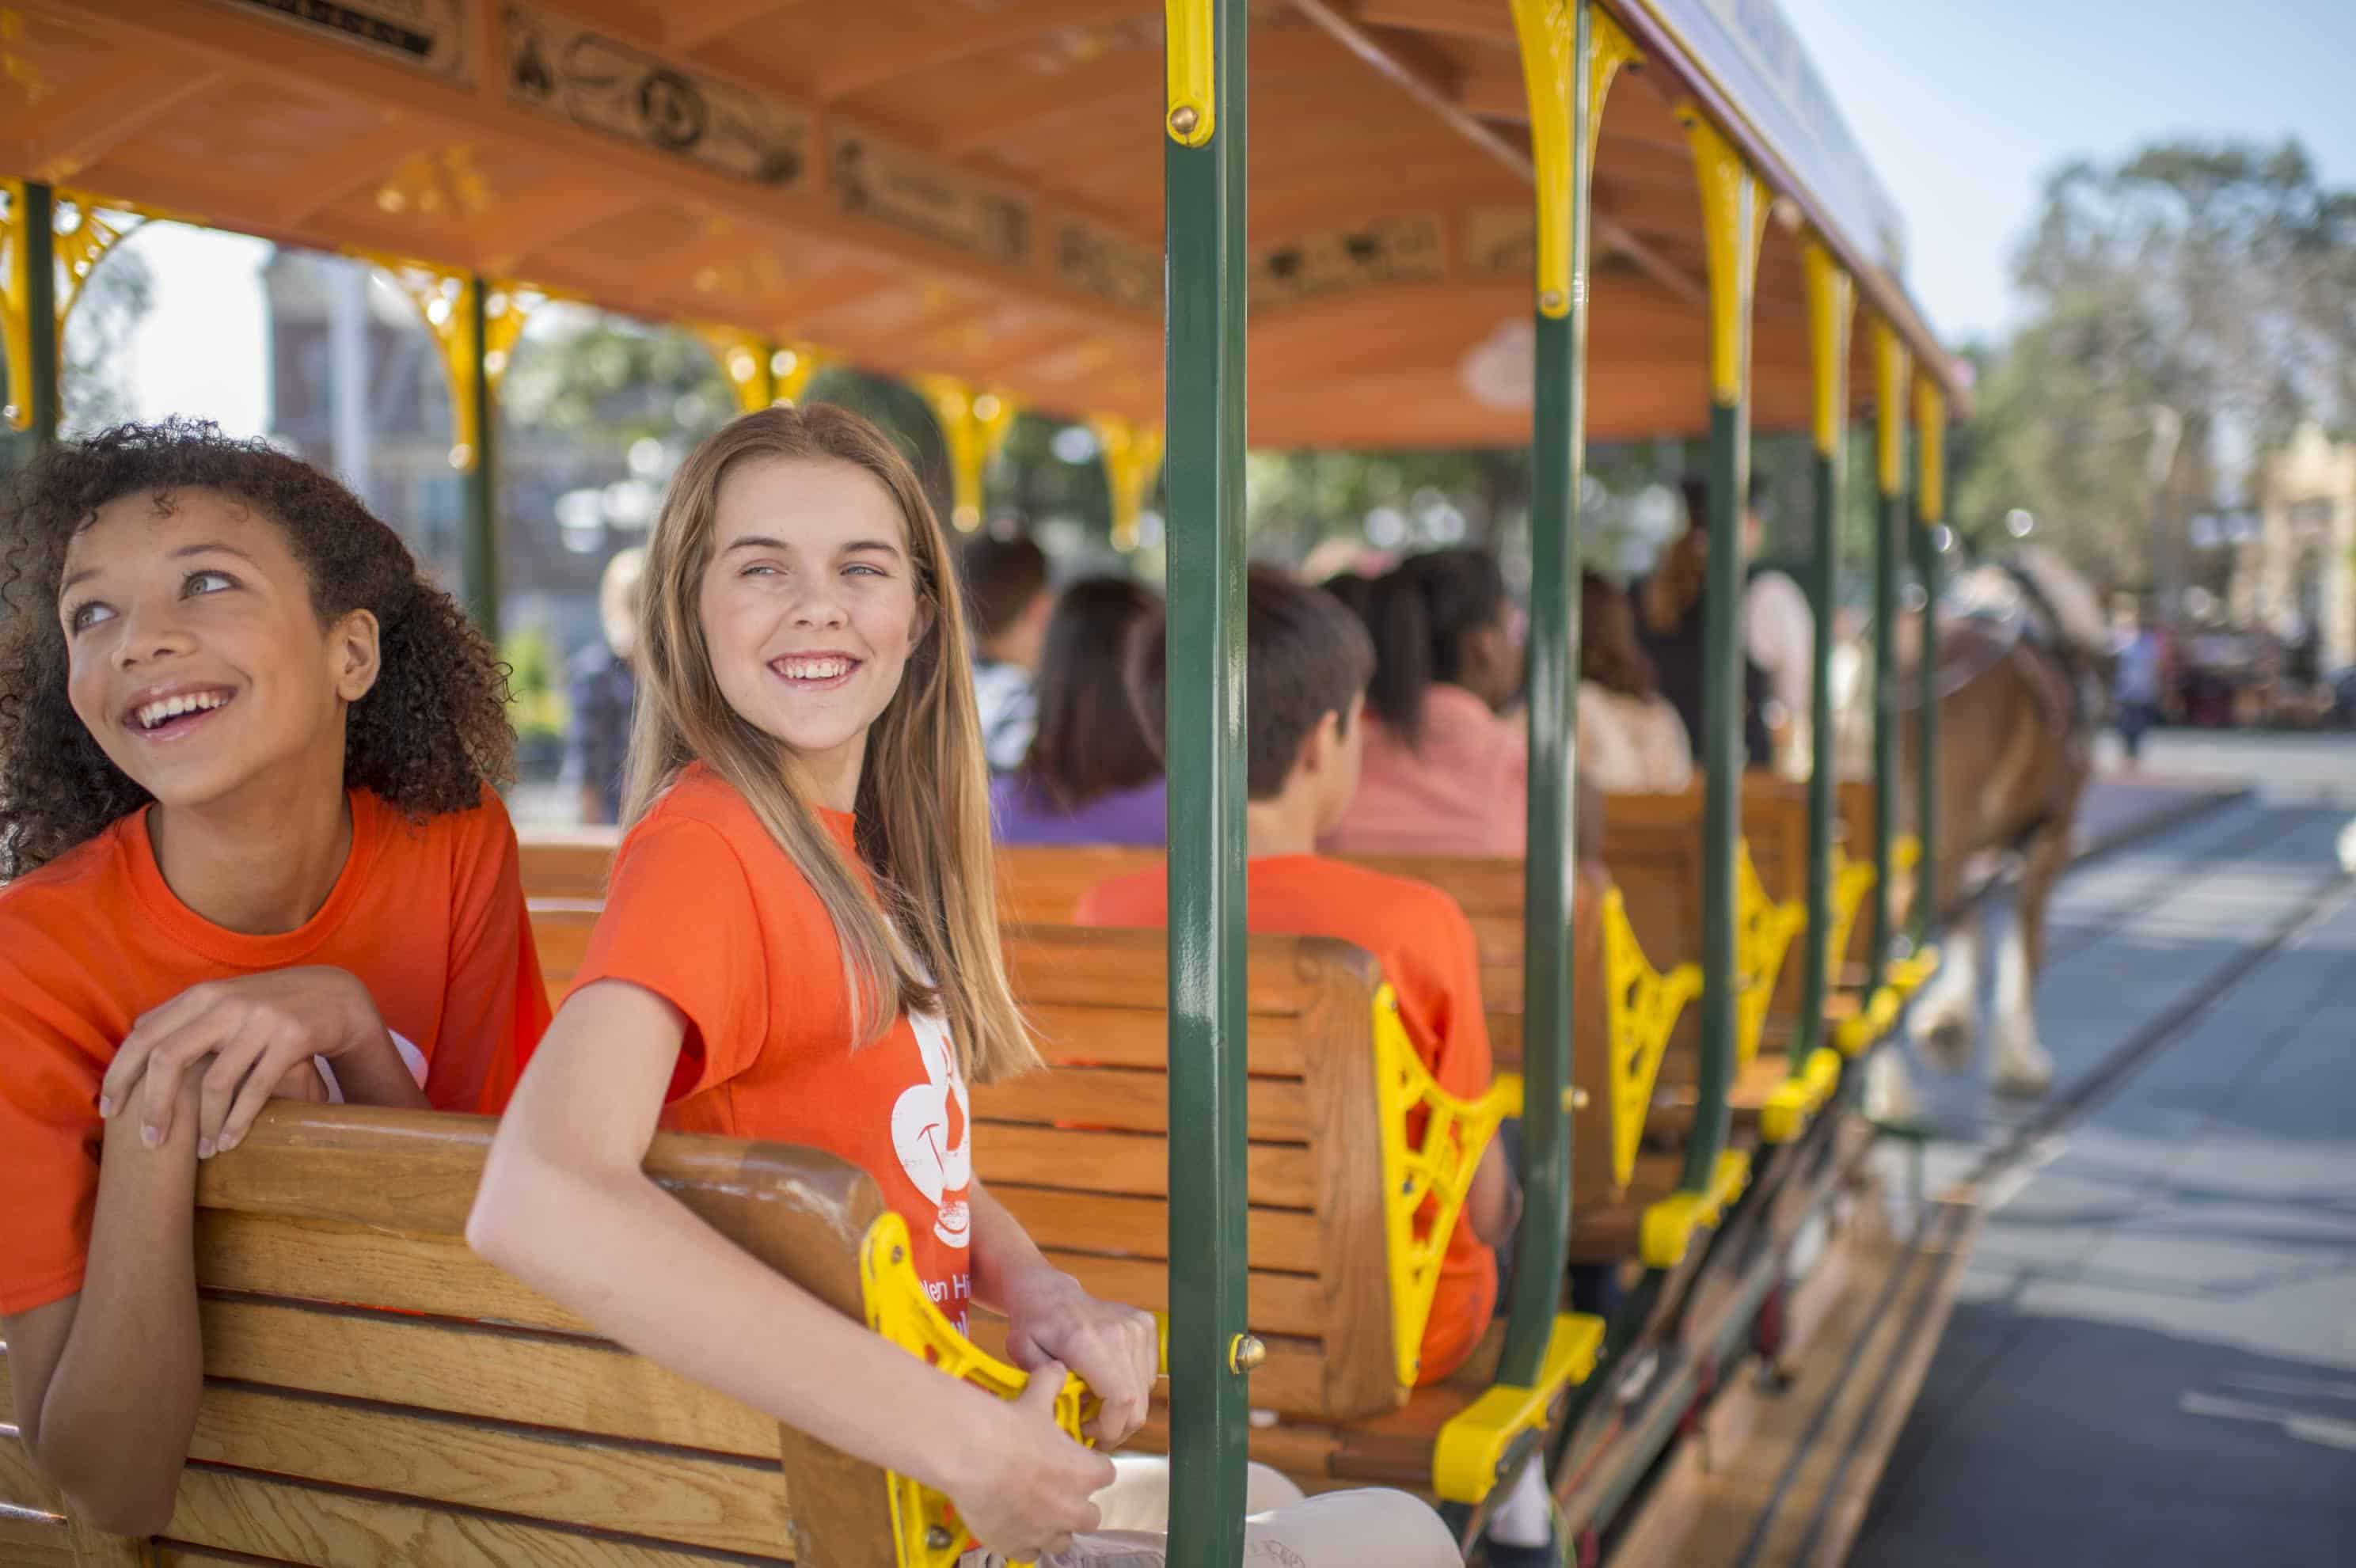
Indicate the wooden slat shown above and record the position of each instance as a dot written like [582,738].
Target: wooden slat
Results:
[1089,967]
[574,1385]
[1130,1101]
[1138,1035]
[730,1504]
[1139,1227]
[22,1485]
[565,863]
[1290,1304]
[236,1512]
[34,1543]
[317,1260]
[1136,1165]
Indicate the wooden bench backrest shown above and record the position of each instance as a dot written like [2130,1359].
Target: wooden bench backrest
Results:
[566,863]
[1081,1153]
[377,1394]
[1044,885]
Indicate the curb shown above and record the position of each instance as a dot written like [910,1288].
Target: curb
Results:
[2196,804]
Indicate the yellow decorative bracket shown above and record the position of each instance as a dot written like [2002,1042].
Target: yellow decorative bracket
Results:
[793,368]
[1763,930]
[924,1523]
[1132,461]
[1469,1459]
[1669,1225]
[1873,1021]
[744,359]
[1734,222]
[1549,31]
[1189,29]
[1930,452]
[1852,881]
[974,425]
[1889,369]
[446,299]
[85,227]
[1832,307]
[1426,1179]
[1641,1010]
[1795,1102]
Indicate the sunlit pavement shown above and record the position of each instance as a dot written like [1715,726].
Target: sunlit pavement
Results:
[2153,1360]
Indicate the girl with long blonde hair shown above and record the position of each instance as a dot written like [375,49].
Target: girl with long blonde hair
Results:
[799,945]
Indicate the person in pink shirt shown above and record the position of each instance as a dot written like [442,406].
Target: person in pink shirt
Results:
[1446,771]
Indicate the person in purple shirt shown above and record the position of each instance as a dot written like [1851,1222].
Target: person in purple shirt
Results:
[1092,775]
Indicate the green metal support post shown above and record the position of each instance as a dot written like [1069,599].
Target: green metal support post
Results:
[480,546]
[1203,190]
[37,227]
[1890,520]
[1931,509]
[1733,210]
[1568,69]
[1831,302]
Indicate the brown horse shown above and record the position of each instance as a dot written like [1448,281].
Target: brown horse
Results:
[2021,684]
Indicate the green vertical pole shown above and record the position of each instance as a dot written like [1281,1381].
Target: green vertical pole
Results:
[1890,520]
[37,226]
[480,557]
[1564,105]
[1831,300]
[1203,190]
[1731,207]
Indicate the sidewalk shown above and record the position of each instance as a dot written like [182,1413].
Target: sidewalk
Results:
[2120,808]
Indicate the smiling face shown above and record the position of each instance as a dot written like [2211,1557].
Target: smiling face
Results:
[810,609]
[195,657]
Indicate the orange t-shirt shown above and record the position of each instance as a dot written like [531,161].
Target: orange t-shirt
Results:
[1427,953]
[706,912]
[429,916]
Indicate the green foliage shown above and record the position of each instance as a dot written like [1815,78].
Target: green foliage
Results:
[536,698]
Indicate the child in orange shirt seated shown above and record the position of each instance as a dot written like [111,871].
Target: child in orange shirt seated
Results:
[246,755]
[800,946]
[1309,661]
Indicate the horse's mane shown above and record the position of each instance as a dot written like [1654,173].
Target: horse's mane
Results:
[2065,597]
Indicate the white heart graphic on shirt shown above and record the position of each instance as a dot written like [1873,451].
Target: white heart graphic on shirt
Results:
[931,1131]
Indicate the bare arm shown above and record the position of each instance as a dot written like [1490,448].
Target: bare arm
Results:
[107,1380]
[1050,1318]
[1493,1206]
[566,1207]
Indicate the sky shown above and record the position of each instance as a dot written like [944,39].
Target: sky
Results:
[1962,106]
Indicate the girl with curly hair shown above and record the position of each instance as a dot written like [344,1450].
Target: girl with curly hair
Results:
[247,831]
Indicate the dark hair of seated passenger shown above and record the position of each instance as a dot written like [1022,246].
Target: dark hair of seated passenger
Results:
[1306,655]
[1090,741]
[1002,574]
[1421,616]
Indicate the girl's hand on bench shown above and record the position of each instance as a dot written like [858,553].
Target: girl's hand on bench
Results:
[1024,1489]
[246,1037]
[1115,1349]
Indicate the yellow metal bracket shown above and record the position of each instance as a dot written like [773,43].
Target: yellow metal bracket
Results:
[1832,307]
[1189,31]
[1734,222]
[1795,1102]
[1874,1020]
[1469,1459]
[1890,371]
[974,426]
[744,358]
[1764,932]
[1669,1225]
[85,227]
[446,299]
[793,368]
[1549,31]
[1852,880]
[924,1523]
[1426,1179]
[1641,1012]
[1132,461]
[17,308]
[1930,452]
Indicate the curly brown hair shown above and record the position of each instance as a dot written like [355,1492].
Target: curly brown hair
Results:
[428,736]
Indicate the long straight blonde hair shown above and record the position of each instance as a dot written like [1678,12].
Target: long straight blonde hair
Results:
[928,941]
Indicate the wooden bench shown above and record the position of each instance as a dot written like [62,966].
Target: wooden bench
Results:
[375,1394]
